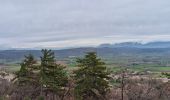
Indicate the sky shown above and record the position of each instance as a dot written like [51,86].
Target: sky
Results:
[76,23]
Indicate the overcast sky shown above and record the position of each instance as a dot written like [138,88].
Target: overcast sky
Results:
[74,23]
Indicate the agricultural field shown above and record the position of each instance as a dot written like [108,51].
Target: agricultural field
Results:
[114,65]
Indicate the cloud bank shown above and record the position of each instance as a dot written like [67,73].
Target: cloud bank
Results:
[74,23]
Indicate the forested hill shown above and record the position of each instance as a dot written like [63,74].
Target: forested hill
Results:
[18,55]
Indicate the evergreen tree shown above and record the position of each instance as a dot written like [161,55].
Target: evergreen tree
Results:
[53,76]
[91,78]
[27,84]
[26,71]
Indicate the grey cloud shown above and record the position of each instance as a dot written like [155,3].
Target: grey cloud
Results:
[32,21]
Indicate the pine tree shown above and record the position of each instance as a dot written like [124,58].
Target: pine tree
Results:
[26,84]
[53,76]
[91,78]
[26,71]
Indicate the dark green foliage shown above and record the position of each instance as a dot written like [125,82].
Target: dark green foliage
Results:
[48,77]
[91,78]
[41,98]
[27,98]
[167,75]
[53,76]
[27,85]
[25,74]
[48,57]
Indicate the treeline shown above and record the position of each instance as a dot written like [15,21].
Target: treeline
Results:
[50,81]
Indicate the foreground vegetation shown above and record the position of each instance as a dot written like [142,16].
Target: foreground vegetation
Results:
[88,79]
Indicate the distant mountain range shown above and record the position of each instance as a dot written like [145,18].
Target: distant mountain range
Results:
[160,44]
[138,45]
[153,49]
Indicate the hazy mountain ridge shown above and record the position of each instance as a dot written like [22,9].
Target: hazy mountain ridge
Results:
[139,45]
[105,50]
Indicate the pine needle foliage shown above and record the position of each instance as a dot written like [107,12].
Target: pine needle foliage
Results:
[91,78]
[53,76]
[25,74]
